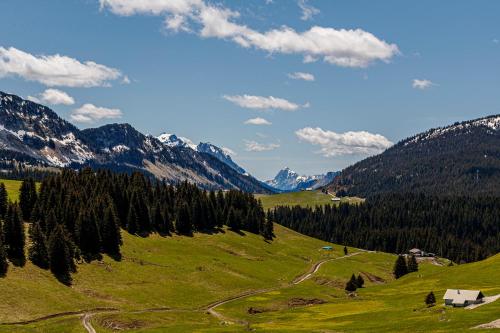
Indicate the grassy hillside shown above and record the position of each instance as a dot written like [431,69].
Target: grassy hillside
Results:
[168,283]
[12,187]
[302,198]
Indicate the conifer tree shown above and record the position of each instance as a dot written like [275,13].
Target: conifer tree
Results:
[3,200]
[268,230]
[400,267]
[412,264]
[27,198]
[4,266]
[345,250]
[87,232]
[183,223]
[360,281]
[351,284]
[132,220]
[61,261]
[233,219]
[14,236]
[430,299]
[111,236]
[37,252]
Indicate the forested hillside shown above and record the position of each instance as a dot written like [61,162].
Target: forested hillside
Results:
[458,228]
[461,159]
[78,215]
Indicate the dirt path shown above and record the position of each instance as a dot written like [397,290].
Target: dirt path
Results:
[211,307]
[494,324]
[86,315]
[87,324]
[486,300]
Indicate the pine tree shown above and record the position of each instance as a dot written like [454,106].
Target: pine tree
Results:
[38,253]
[233,219]
[132,220]
[360,281]
[14,236]
[111,236]
[430,299]
[412,264]
[183,223]
[400,268]
[4,266]
[3,200]
[345,250]
[268,230]
[61,261]
[88,237]
[27,198]
[351,285]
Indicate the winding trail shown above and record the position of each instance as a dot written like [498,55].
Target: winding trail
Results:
[86,315]
[301,278]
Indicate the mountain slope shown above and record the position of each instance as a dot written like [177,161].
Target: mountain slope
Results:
[288,180]
[33,134]
[463,158]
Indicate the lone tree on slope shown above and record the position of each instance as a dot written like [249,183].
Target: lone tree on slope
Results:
[430,299]
[412,265]
[351,285]
[400,267]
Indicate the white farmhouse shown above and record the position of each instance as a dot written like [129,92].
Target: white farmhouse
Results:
[462,298]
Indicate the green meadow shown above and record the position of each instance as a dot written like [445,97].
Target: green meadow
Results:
[301,198]
[167,284]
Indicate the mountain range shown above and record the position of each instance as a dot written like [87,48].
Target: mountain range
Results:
[460,159]
[288,180]
[33,134]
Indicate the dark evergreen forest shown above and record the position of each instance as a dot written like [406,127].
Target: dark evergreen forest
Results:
[78,216]
[462,229]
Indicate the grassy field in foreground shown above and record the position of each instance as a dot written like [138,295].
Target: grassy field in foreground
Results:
[302,198]
[382,306]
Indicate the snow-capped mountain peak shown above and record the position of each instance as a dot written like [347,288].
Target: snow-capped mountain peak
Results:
[289,180]
[173,140]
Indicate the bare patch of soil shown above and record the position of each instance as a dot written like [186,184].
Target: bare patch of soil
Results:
[121,325]
[373,278]
[299,301]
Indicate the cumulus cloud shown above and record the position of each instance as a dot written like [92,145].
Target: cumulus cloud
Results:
[89,113]
[55,70]
[255,146]
[422,84]
[342,47]
[257,121]
[53,97]
[301,76]
[263,103]
[335,144]
[308,11]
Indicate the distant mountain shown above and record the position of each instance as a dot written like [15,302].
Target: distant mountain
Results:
[461,159]
[35,135]
[289,181]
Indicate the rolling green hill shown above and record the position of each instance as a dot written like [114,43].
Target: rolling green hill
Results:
[232,282]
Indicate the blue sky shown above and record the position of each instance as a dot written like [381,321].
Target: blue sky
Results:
[201,69]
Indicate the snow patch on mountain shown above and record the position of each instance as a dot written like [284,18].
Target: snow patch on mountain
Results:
[289,180]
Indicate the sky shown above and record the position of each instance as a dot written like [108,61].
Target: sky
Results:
[312,85]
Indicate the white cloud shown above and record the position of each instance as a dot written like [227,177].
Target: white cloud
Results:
[422,84]
[257,121]
[308,11]
[55,70]
[263,103]
[301,76]
[55,97]
[34,99]
[342,47]
[255,146]
[335,144]
[89,113]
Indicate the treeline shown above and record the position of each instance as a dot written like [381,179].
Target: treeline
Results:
[462,229]
[78,215]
